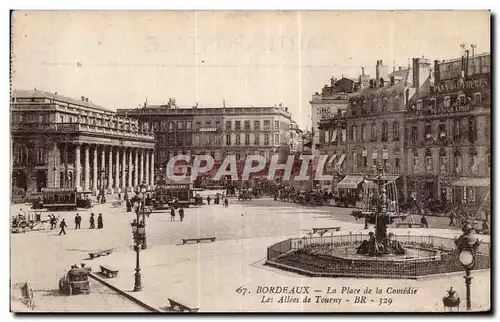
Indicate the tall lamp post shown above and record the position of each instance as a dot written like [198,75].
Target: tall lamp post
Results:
[141,210]
[138,231]
[467,245]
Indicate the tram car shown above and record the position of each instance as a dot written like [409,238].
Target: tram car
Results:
[55,199]
[182,195]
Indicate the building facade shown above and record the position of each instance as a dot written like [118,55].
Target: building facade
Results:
[62,142]
[221,131]
[448,134]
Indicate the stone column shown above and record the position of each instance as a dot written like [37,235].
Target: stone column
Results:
[129,168]
[78,170]
[53,163]
[124,166]
[86,185]
[141,166]
[146,168]
[110,168]
[152,171]
[103,167]
[94,170]
[136,168]
[117,170]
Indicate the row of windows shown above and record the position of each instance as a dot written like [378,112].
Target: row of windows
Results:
[23,156]
[246,139]
[458,162]
[367,133]
[448,101]
[375,104]
[238,125]
[461,128]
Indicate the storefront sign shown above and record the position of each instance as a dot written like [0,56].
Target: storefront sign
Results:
[212,129]
[453,85]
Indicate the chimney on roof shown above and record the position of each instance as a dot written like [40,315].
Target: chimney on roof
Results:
[86,99]
[55,93]
[286,109]
[399,68]
[224,103]
[83,98]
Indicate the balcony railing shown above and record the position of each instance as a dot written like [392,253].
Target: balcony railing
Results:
[78,127]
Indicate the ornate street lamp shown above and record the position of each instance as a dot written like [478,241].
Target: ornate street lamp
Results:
[451,302]
[138,231]
[141,210]
[467,245]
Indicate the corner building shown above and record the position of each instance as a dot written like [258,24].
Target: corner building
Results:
[448,135]
[63,142]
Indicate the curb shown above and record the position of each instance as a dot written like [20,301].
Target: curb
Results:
[127,295]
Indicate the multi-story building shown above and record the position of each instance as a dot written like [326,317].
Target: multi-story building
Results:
[239,131]
[326,105]
[448,134]
[62,142]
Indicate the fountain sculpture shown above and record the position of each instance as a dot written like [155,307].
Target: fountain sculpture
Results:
[379,243]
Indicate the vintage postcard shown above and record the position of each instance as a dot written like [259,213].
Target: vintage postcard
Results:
[250,161]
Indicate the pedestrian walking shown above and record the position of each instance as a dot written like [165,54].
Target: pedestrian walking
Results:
[172,214]
[62,225]
[78,220]
[423,221]
[226,203]
[452,218]
[100,225]
[208,199]
[181,214]
[52,221]
[92,221]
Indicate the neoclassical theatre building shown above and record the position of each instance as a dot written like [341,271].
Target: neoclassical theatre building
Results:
[58,141]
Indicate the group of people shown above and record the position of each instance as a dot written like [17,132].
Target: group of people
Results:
[78,221]
[172,214]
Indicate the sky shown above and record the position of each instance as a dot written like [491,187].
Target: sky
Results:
[118,59]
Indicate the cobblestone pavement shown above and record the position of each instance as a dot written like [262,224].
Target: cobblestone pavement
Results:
[206,274]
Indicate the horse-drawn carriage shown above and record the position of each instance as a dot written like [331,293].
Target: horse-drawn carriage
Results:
[30,220]
[76,281]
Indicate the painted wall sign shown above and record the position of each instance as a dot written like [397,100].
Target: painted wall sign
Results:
[453,85]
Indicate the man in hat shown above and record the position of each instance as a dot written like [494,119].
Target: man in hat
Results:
[62,225]
[78,220]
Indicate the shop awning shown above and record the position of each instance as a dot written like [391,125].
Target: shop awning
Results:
[350,182]
[387,177]
[334,136]
[341,160]
[332,159]
[472,182]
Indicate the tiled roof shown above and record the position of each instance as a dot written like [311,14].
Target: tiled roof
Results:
[399,73]
[56,97]
[397,85]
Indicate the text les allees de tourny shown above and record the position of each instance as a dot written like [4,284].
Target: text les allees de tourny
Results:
[301,165]
[327,295]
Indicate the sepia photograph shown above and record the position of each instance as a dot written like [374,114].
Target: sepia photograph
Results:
[250,161]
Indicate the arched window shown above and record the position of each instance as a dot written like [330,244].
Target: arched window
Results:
[395,131]
[364,134]
[473,161]
[395,101]
[428,161]
[364,157]
[385,103]
[354,160]
[385,132]
[447,101]
[443,161]
[353,106]
[415,164]
[373,134]
[457,161]
[374,103]
[354,134]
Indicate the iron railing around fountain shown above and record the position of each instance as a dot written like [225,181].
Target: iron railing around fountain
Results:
[312,254]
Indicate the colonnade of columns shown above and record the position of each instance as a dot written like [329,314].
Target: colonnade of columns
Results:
[119,168]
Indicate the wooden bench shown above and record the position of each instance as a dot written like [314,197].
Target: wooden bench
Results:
[176,306]
[325,229]
[409,225]
[109,271]
[100,253]
[198,240]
